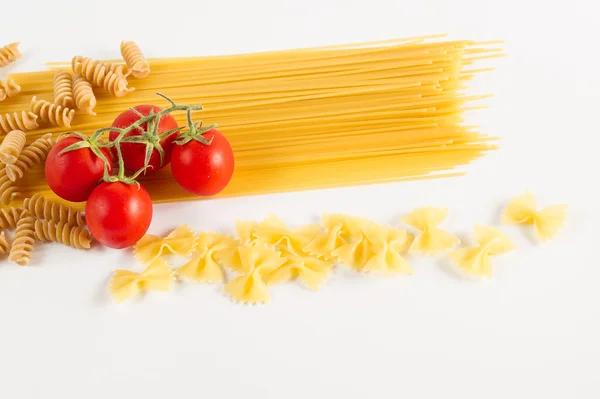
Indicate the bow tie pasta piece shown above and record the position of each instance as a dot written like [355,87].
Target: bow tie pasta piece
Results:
[476,260]
[335,235]
[125,284]
[432,239]
[256,262]
[273,231]
[180,241]
[204,267]
[310,270]
[246,231]
[358,251]
[387,243]
[547,223]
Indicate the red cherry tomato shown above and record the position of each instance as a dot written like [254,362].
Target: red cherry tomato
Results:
[203,169]
[73,175]
[134,154]
[118,214]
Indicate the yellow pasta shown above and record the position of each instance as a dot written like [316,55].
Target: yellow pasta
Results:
[101,74]
[204,265]
[547,223]
[52,211]
[52,113]
[9,54]
[11,146]
[4,244]
[9,217]
[387,244]
[312,118]
[33,154]
[180,241]
[8,88]
[22,246]
[273,232]
[136,62]
[63,89]
[432,239]
[22,120]
[84,94]
[254,263]
[311,270]
[125,284]
[357,252]
[476,260]
[73,236]
[8,189]
[336,234]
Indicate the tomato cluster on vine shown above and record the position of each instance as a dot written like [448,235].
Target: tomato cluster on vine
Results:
[142,139]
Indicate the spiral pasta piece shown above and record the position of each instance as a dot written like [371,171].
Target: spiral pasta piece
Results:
[136,62]
[8,88]
[4,245]
[33,154]
[23,120]
[11,146]
[56,212]
[22,246]
[9,217]
[109,76]
[84,94]
[9,53]
[8,190]
[63,89]
[56,115]
[73,236]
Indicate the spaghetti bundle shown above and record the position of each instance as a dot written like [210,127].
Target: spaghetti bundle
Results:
[310,118]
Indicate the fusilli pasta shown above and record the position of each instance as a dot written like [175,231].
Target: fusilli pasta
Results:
[9,53]
[136,62]
[103,75]
[9,217]
[8,190]
[8,88]
[33,154]
[11,146]
[63,89]
[22,246]
[54,114]
[56,212]
[73,236]
[4,244]
[84,95]
[23,120]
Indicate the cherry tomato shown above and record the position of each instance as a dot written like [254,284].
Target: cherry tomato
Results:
[118,214]
[73,175]
[203,169]
[134,154]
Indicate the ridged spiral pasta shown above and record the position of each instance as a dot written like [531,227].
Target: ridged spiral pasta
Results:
[63,89]
[33,154]
[136,62]
[4,245]
[24,120]
[84,94]
[56,212]
[8,88]
[11,146]
[9,217]
[9,53]
[22,246]
[8,190]
[73,236]
[109,76]
[54,114]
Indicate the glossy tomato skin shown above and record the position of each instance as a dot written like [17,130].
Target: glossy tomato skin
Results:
[134,154]
[118,214]
[203,169]
[74,175]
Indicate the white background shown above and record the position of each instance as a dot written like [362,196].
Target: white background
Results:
[531,332]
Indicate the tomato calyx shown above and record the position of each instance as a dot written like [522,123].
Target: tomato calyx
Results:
[195,132]
[87,142]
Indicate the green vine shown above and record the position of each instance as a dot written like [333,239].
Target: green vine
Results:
[149,137]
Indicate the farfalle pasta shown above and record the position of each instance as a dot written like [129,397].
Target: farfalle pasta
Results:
[8,88]
[273,231]
[254,263]
[204,265]
[334,236]
[547,222]
[180,241]
[125,284]
[357,252]
[432,239]
[312,271]
[387,244]
[476,260]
